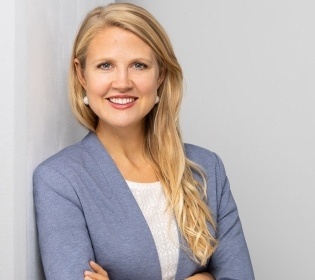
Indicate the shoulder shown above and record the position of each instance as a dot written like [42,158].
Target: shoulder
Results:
[69,160]
[66,173]
[202,156]
[62,158]
[213,169]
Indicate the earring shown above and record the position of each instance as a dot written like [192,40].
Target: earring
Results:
[85,100]
[157,99]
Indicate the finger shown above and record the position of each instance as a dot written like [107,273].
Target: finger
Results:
[98,269]
[88,275]
[87,278]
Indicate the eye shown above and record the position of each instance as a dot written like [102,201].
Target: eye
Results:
[139,66]
[105,66]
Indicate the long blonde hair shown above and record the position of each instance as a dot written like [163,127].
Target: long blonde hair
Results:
[163,147]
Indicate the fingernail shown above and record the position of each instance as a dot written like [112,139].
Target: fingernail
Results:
[87,273]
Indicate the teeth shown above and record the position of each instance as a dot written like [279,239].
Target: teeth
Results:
[121,101]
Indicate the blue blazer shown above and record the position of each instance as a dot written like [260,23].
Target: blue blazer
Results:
[86,211]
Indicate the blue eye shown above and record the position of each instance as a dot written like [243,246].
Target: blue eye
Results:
[139,66]
[105,66]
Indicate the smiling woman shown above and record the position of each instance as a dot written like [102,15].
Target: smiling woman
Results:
[131,201]
[121,85]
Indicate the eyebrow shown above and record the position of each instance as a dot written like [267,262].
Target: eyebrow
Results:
[108,59]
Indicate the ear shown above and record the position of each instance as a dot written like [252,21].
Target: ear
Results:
[79,72]
[161,76]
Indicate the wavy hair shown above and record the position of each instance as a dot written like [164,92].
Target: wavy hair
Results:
[164,147]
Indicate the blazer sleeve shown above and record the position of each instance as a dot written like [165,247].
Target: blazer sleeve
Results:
[231,260]
[64,241]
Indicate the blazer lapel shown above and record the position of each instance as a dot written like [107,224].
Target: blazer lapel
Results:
[133,219]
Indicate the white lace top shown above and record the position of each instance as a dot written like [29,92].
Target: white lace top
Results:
[152,202]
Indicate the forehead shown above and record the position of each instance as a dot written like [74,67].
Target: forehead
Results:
[114,40]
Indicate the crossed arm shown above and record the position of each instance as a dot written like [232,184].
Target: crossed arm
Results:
[99,273]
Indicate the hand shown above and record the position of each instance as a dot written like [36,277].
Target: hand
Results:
[98,274]
[201,276]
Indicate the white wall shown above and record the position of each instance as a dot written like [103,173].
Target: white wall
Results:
[35,116]
[7,13]
[250,74]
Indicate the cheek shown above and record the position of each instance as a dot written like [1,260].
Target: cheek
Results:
[149,85]
[149,91]
[96,85]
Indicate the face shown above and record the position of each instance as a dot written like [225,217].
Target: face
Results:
[121,78]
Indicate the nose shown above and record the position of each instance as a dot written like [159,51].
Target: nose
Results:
[122,81]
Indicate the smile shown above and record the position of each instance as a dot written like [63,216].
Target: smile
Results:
[122,101]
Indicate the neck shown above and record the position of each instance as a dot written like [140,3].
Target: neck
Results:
[126,147]
[125,142]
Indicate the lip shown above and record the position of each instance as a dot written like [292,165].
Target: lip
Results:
[121,101]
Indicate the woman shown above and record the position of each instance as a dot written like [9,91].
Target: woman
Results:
[131,196]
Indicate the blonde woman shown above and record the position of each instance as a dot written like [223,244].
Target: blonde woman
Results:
[131,201]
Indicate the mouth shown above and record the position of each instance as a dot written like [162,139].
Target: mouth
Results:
[122,100]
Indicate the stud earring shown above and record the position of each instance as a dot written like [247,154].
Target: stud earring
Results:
[85,100]
[157,100]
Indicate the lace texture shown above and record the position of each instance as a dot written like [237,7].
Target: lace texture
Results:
[152,202]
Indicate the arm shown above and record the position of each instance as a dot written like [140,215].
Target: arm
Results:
[100,274]
[64,241]
[231,259]
[201,276]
